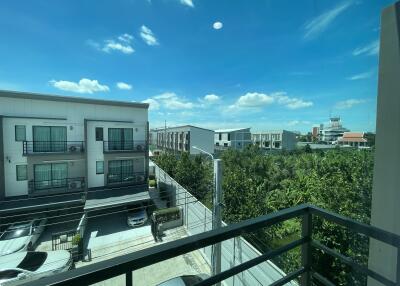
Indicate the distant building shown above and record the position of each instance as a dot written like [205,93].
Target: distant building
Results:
[182,139]
[333,132]
[232,138]
[273,140]
[353,139]
[315,132]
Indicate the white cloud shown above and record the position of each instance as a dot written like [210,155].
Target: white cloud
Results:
[124,86]
[121,44]
[298,122]
[148,36]
[172,101]
[349,103]
[217,25]
[254,99]
[154,104]
[321,22]
[83,86]
[258,100]
[371,49]
[211,98]
[359,76]
[187,3]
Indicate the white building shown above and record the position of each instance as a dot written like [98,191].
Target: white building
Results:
[333,132]
[67,145]
[232,138]
[275,140]
[182,139]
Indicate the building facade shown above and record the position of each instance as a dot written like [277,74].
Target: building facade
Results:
[275,140]
[353,139]
[67,145]
[183,139]
[333,131]
[232,138]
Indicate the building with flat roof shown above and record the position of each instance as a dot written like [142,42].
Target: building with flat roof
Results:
[236,138]
[275,140]
[183,139]
[63,145]
[333,131]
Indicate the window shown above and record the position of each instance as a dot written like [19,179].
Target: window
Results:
[20,133]
[217,143]
[50,175]
[220,136]
[120,139]
[49,138]
[229,136]
[99,167]
[9,274]
[99,133]
[225,144]
[120,171]
[22,174]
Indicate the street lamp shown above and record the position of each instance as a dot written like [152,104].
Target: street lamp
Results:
[217,203]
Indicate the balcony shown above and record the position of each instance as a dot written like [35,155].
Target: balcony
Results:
[305,274]
[124,146]
[124,179]
[56,186]
[52,147]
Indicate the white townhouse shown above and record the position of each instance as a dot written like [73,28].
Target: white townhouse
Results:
[183,139]
[275,140]
[70,147]
[237,138]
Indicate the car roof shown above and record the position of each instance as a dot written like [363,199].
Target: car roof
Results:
[177,281]
[12,260]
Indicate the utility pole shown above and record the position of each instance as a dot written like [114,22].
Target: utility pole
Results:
[217,218]
[216,212]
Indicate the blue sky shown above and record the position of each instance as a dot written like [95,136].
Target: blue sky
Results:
[263,64]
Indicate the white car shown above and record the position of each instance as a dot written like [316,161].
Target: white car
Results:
[137,217]
[185,280]
[21,236]
[23,267]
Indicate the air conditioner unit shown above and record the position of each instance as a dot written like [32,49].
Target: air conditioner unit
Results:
[140,147]
[73,148]
[74,185]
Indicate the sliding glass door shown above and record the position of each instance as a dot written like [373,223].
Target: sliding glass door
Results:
[120,139]
[49,138]
[50,176]
[120,171]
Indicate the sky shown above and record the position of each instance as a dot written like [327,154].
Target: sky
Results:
[263,64]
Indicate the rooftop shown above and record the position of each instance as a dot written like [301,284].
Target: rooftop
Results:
[231,130]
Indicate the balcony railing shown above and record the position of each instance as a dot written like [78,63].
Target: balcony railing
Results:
[136,178]
[125,264]
[45,147]
[124,146]
[56,185]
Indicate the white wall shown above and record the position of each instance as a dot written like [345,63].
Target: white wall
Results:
[204,139]
[74,113]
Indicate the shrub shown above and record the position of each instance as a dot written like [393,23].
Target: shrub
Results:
[76,239]
[152,183]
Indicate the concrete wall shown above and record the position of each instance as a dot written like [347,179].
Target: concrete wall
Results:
[198,219]
[385,210]
[202,138]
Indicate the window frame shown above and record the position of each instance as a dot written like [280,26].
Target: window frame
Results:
[15,133]
[97,172]
[26,172]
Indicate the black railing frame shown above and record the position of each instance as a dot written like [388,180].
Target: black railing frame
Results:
[133,144]
[28,147]
[32,187]
[127,263]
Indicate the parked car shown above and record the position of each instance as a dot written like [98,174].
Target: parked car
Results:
[23,267]
[21,236]
[137,217]
[185,280]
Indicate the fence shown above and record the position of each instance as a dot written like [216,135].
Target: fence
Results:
[198,218]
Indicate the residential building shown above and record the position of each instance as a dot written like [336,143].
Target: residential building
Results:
[333,132]
[353,139]
[275,140]
[315,133]
[183,139]
[67,145]
[232,138]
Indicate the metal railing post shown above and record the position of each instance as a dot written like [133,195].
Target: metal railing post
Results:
[128,278]
[398,267]
[306,255]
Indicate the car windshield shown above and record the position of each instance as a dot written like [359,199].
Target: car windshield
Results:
[15,232]
[191,279]
[33,260]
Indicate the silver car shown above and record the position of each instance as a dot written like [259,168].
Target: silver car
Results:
[185,280]
[137,217]
[23,267]
[21,236]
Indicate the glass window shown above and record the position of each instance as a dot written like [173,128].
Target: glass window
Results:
[220,136]
[9,274]
[50,175]
[22,174]
[49,138]
[99,133]
[33,260]
[121,138]
[20,133]
[99,167]
[229,136]
[120,171]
